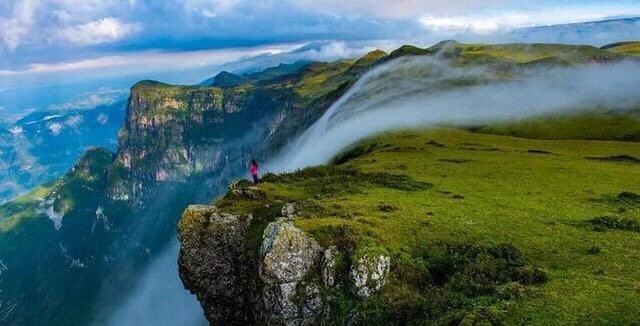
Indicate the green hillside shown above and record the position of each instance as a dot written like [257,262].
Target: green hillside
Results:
[623,125]
[480,227]
[626,48]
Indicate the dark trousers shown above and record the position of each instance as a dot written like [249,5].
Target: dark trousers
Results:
[255,178]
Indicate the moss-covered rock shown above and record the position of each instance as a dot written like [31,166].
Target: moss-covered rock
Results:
[288,255]
[218,275]
[369,274]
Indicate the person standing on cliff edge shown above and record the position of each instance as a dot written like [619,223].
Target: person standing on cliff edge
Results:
[254,171]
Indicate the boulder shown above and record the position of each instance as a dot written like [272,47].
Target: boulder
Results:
[288,255]
[369,274]
[288,210]
[253,193]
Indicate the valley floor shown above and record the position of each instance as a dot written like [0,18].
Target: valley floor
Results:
[569,206]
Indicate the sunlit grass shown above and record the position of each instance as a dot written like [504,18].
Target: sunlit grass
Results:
[538,195]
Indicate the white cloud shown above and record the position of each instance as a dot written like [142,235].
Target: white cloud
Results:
[152,60]
[102,96]
[46,207]
[105,30]
[19,24]
[393,9]
[102,118]
[16,131]
[209,8]
[87,10]
[73,121]
[492,22]
[82,22]
[55,128]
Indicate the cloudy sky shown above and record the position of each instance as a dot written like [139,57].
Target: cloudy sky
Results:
[37,32]
[58,40]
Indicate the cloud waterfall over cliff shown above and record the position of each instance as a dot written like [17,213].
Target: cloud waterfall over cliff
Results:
[426,91]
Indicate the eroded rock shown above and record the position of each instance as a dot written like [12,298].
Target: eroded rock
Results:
[216,275]
[252,193]
[369,274]
[328,268]
[288,210]
[287,256]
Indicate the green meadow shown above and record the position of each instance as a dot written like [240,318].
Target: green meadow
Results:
[567,209]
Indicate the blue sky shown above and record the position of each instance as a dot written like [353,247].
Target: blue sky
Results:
[53,42]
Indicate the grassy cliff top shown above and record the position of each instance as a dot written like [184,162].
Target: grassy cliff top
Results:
[626,48]
[523,53]
[570,207]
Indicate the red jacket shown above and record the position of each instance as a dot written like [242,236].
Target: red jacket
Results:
[254,169]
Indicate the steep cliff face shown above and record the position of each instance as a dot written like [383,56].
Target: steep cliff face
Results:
[173,132]
[244,272]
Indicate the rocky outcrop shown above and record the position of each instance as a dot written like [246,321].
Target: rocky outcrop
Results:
[288,255]
[369,274]
[329,262]
[249,193]
[217,276]
[284,278]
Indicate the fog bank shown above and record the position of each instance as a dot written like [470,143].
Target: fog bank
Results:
[417,92]
[160,298]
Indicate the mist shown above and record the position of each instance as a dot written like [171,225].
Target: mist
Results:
[417,92]
[160,298]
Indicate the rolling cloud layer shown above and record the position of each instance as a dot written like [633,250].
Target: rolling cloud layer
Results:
[397,95]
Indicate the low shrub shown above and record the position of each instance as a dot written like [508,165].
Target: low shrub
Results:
[333,181]
[511,291]
[615,158]
[387,208]
[628,197]
[594,250]
[357,151]
[451,284]
[616,223]
[530,275]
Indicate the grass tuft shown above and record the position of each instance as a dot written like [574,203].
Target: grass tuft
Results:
[615,223]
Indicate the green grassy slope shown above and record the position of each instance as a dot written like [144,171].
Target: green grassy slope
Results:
[626,48]
[517,53]
[458,187]
[601,124]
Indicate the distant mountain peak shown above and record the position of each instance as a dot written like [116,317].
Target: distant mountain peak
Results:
[227,79]
[148,82]
[371,57]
